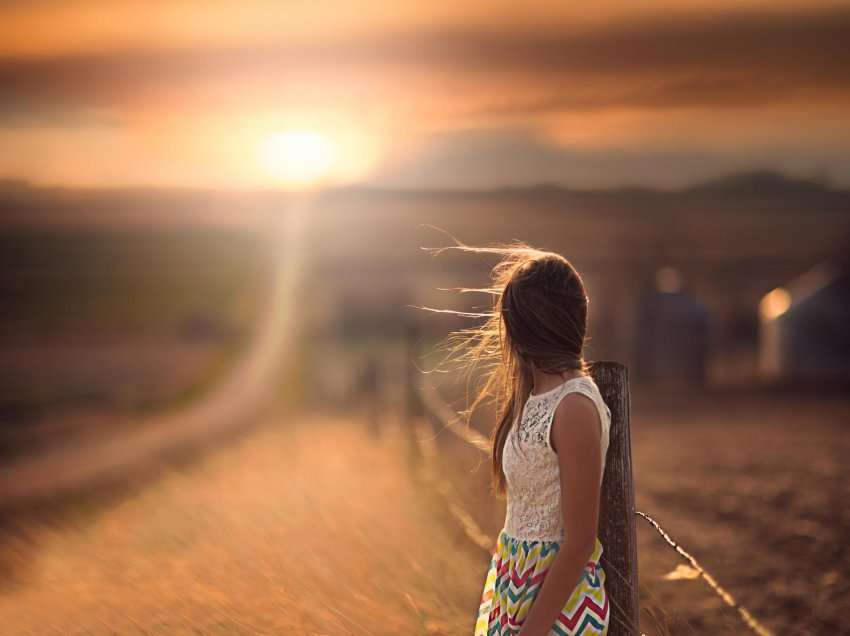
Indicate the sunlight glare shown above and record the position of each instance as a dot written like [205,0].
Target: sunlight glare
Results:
[297,157]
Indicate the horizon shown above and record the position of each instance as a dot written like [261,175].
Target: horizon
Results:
[727,179]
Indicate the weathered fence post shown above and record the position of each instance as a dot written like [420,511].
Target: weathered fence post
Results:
[616,514]
[413,407]
[370,386]
[412,380]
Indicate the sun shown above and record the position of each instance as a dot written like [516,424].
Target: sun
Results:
[298,157]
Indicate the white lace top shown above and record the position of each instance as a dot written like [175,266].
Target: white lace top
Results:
[531,465]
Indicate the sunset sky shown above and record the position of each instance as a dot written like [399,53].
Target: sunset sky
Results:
[421,93]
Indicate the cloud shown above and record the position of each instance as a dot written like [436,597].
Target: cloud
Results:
[659,98]
[54,115]
[721,59]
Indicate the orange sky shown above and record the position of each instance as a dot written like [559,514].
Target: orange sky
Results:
[433,94]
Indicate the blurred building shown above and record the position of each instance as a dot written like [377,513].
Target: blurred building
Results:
[805,326]
[671,333]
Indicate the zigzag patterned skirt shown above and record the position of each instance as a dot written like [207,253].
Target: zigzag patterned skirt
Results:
[516,573]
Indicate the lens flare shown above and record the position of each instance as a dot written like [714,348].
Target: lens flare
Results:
[298,157]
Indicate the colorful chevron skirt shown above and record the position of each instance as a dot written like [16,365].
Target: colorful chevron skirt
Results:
[516,573]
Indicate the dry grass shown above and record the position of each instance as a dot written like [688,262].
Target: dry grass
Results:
[307,529]
[317,528]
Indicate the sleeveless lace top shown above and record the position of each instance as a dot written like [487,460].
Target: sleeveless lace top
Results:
[531,465]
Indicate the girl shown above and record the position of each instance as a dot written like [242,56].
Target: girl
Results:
[549,448]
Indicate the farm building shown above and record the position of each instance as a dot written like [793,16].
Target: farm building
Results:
[671,333]
[804,330]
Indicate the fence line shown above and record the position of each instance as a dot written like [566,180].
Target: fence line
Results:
[450,420]
[424,437]
[424,434]
[748,618]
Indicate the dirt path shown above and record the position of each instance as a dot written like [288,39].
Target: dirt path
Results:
[70,465]
[312,529]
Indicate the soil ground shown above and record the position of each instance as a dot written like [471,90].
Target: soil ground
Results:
[754,486]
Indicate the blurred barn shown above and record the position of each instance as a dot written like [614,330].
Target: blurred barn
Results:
[805,327]
[671,333]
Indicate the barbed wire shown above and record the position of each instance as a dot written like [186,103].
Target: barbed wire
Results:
[727,598]
[424,435]
[427,447]
[450,420]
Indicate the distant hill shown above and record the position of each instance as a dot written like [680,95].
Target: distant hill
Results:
[23,205]
[760,182]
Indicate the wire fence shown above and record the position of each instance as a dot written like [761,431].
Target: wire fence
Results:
[425,440]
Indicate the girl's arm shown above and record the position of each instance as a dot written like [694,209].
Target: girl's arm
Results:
[575,436]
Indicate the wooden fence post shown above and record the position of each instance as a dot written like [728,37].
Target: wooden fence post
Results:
[413,407]
[413,400]
[616,514]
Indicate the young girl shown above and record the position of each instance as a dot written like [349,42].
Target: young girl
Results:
[549,450]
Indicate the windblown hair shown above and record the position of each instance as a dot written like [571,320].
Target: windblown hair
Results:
[539,319]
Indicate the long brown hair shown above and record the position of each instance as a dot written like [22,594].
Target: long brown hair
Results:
[538,319]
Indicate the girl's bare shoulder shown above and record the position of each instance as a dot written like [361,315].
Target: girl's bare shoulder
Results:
[575,422]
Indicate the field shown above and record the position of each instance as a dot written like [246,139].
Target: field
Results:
[757,490]
[754,486]
[309,525]
[283,532]
[108,321]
